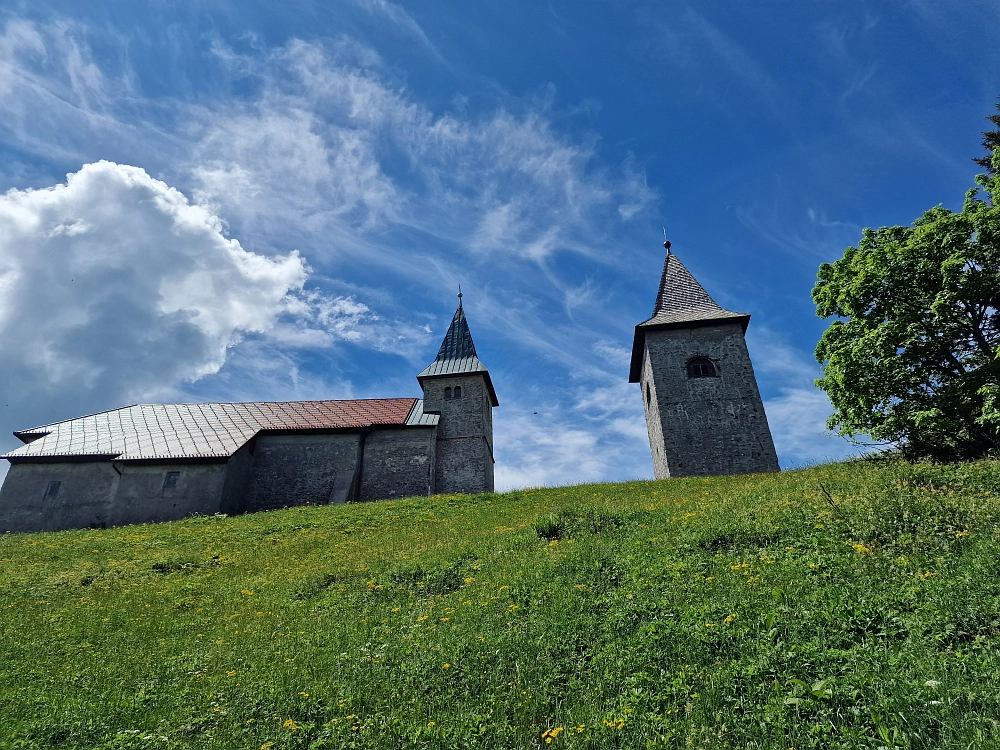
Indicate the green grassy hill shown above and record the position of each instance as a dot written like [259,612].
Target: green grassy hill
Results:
[724,612]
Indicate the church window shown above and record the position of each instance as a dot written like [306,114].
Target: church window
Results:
[648,395]
[701,367]
[447,392]
[53,489]
[170,480]
[458,391]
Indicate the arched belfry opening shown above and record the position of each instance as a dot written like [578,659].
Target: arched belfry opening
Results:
[708,417]
[701,367]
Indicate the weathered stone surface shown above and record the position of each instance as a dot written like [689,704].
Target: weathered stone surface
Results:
[704,426]
[105,493]
[313,469]
[398,463]
[464,462]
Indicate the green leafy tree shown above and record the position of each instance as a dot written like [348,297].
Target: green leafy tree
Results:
[991,142]
[912,357]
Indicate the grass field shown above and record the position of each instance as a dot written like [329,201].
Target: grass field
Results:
[739,612]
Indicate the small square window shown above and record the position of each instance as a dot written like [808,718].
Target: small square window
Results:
[53,489]
[170,480]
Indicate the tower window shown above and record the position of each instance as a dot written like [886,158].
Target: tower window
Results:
[458,391]
[170,480]
[53,489]
[648,395]
[447,392]
[701,367]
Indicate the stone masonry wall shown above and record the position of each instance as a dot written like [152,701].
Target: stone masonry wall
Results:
[654,426]
[298,469]
[705,426]
[398,463]
[93,493]
[464,462]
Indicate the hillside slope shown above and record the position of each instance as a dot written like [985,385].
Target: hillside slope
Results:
[724,612]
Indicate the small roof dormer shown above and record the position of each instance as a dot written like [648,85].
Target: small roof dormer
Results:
[457,355]
[681,302]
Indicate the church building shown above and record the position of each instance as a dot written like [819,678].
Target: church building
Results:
[704,414]
[162,462]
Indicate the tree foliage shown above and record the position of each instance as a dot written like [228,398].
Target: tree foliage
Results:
[991,142]
[912,357]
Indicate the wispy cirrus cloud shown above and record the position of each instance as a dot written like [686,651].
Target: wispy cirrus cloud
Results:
[329,153]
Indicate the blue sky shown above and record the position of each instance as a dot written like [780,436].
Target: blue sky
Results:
[261,201]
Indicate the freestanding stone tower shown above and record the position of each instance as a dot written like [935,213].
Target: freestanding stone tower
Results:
[703,410]
[458,387]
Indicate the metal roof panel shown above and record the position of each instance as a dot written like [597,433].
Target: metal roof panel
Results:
[150,431]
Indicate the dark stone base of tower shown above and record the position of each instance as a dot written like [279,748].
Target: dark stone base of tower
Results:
[703,410]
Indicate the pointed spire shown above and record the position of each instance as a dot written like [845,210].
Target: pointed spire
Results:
[457,342]
[681,302]
[457,355]
[679,290]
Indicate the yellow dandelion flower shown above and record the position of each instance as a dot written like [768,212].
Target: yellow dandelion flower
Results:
[267,746]
[861,548]
[231,673]
[246,592]
[290,725]
[729,619]
[304,695]
[446,666]
[550,734]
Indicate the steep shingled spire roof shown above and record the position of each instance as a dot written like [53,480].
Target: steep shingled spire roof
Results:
[457,355]
[682,299]
[681,302]
[457,342]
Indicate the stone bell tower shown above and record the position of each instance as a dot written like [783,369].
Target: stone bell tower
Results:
[458,387]
[703,409]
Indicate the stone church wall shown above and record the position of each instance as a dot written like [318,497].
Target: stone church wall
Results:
[398,463]
[708,425]
[94,494]
[272,471]
[302,469]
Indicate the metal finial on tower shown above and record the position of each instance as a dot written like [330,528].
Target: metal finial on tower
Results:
[459,295]
[666,242]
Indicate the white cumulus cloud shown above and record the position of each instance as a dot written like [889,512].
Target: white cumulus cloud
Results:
[115,287]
